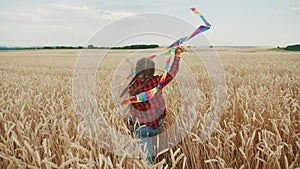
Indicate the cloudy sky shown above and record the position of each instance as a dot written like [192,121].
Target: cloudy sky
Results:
[64,22]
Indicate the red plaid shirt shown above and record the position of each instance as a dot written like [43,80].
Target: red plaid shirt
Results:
[150,112]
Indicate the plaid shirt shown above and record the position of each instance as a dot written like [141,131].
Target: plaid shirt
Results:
[150,112]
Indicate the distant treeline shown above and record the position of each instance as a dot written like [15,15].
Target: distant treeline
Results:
[143,46]
[138,46]
[293,47]
[63,47]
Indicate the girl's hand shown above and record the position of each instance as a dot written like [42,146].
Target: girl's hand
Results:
[179,50]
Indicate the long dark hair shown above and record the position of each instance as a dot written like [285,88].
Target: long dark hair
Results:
[145,67]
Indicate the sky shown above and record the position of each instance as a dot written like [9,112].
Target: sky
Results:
[75,23]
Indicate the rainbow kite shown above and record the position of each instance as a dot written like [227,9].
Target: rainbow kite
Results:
[145,96]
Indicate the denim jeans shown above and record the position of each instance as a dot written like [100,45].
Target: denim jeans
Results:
[145,134]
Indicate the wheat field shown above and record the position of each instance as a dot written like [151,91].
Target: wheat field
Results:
[259,127]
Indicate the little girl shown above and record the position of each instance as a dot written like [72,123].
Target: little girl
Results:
[148,116]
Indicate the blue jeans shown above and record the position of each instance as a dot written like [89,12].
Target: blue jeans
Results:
[145,134]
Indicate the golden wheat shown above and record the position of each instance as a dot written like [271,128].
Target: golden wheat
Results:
[258,129]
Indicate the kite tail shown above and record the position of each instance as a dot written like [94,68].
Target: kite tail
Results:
[201,16]
[205,21]
[144,96]
[178,42]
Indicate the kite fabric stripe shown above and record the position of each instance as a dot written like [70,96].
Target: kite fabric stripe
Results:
[145,96]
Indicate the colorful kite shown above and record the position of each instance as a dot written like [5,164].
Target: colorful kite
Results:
[145,96]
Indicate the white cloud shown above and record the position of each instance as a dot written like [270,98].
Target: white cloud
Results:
[111,15]
[74,7]
[60,14]
[296,8]
[56,23]
[19,17]
[138,5]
